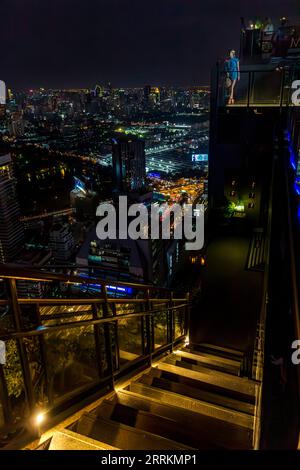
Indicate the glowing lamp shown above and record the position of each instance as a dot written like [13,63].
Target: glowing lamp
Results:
[40,418]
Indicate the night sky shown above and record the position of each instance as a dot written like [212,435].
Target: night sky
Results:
[77,43]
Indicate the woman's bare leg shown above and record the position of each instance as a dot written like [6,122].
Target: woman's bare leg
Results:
[232,90]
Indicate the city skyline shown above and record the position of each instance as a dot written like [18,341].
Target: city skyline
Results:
[120,41]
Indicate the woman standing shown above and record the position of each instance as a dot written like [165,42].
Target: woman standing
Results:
[233,73]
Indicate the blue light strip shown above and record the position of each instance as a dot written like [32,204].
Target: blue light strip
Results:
[124,290]
[293,162]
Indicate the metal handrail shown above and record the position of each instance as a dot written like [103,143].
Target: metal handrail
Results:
[77,324]
[258,370]
[11,271]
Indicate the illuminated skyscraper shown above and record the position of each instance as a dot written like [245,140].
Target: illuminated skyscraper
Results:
[129,163]
[11,229]
[2,99]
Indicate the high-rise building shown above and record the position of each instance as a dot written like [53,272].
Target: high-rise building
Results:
[2,99]
[32,258]
[129,163]
[11,229]
[151,95]
[61,242]
[16,125]
[147,92]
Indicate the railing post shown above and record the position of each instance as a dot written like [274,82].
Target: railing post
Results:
[249,89]
[12,294]
[97,341]
[7,414]
[282,87]
[107,337]
[187,316]
[42,344]
[171,321]
[149,327]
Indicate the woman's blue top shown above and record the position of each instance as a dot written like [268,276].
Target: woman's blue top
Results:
[232,68]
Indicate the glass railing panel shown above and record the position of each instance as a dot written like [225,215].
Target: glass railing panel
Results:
[13,384]
[240,90]
[128,308]
[160,327]
[59,314]
[179,322]
[6,319]
[129,339]
[33,346]
[2,422]
[266,88]
[257,88]
[71,361]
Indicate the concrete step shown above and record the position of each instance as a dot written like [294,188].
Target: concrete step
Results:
[163,426]
[200,385]
[204,363]
[198,394]
[122,436]
[216,350]
[69,440]
[238,387]
[221,434]
[216,412]
[210,358]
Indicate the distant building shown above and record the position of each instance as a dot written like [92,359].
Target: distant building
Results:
[112,259]
[16,126]
[154,261]
[129,163]
[32,258]
[2,99]
[151,95]
[61,242]
[147,92]
[11,229]
[84,204]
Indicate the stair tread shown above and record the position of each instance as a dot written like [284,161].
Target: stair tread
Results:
[69,440]
[237,384]
[202,383]
[216,412]
[220,349]
[202,356]
[223,434]
[147,403]
[199,394]
[123,436]
[164,426]
[192,364]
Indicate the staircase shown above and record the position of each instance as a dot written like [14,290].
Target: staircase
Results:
[193,398]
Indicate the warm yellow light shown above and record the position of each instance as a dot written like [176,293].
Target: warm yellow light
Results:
[40,418]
